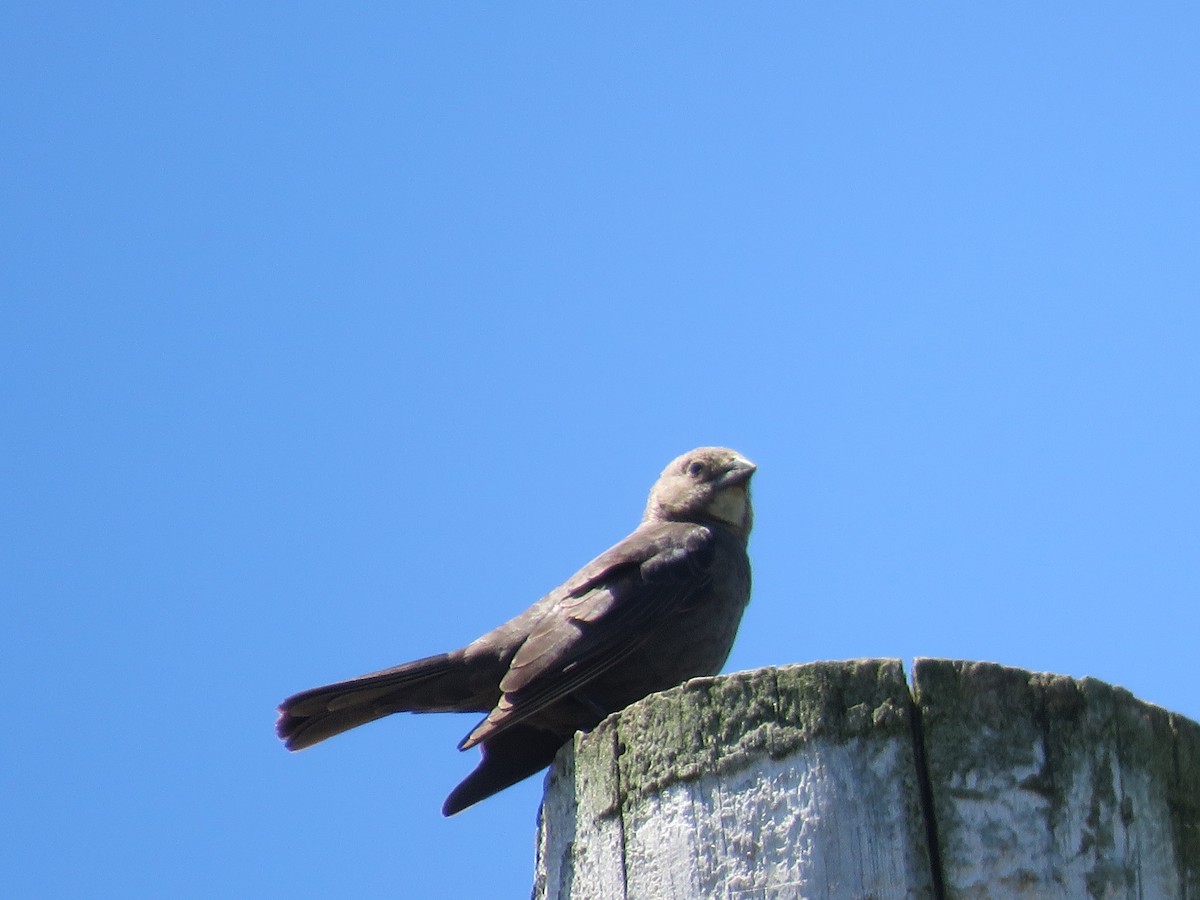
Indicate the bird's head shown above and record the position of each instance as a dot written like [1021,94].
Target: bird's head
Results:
[706,485]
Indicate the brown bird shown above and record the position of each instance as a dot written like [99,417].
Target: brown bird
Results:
[660,607]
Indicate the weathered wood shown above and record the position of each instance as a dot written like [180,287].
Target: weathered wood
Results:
[827,781]
[777,783]
[1048,787]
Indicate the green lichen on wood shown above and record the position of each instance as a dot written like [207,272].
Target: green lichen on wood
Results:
[717,725]
[1184,801]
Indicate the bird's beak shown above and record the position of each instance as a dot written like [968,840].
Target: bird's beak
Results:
[739,473]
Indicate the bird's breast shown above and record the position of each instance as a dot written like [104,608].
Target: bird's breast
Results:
[695,642]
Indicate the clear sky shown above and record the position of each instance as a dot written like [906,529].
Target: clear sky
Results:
[333,337]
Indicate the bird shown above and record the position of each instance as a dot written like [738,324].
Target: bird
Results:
[660,607]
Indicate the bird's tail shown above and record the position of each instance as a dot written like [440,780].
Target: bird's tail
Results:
[439,683]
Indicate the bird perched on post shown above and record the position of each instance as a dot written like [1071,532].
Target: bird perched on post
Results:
[658,608]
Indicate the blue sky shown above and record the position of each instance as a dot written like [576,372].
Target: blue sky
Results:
[334,337]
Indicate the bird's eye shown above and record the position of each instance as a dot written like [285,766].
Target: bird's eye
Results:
[696,469]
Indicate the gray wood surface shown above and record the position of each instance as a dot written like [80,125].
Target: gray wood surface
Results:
[789,782]
[827,780]
[1045,786]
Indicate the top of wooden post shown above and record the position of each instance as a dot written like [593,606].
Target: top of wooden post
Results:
[833,780]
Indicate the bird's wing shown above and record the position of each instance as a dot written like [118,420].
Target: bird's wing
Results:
[601,615]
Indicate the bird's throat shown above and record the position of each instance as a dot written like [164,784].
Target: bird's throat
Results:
[730,505]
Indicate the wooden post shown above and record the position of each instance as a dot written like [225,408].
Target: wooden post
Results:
[827,780]
[1044,786]
[791,782]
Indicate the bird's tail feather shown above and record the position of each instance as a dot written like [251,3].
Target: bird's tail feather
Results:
[439,683]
